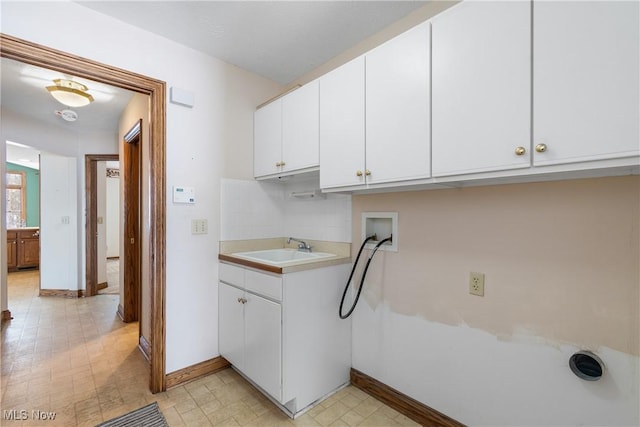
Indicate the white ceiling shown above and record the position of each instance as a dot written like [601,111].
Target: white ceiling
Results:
[23,91]
[280,40]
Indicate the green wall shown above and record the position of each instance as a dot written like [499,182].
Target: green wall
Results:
[33,193]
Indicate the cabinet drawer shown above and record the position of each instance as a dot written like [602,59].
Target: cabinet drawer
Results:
[264,284]
[28,234]
[231,274]
[11,234]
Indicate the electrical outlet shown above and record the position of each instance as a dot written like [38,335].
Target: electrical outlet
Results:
[476,284]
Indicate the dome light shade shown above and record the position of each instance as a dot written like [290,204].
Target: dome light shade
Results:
[70,93]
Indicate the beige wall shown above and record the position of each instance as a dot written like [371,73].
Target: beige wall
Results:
[561,259]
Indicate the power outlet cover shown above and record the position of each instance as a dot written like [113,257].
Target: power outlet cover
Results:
[476,284]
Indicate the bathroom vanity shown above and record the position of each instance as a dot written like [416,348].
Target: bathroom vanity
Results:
[280,328]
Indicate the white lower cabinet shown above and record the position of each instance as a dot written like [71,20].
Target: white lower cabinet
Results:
[283,332]
[251,335]
[263,343]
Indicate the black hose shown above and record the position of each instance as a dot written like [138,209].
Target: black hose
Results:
[364,274]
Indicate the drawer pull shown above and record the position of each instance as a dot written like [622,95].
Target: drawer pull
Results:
[520,151]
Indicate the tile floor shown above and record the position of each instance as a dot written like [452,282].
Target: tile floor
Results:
[113,277]
[76,358]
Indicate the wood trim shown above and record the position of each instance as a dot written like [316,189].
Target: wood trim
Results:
[91,224]
[402,403]
[144,347]
[42,56]
[6,315]
[198,370]
[130,170]
[64,293]
[101,286]
[120,312]
[252,264]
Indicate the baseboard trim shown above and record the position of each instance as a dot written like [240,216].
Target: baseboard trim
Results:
[101,286]
[63,293]
[196,371]
[145,347]
[6,315]
[402,403]
[121,312]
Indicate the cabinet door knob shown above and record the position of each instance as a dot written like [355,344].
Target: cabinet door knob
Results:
[278,164]
[358,173]
[367,172]
[541,148]
[520,151]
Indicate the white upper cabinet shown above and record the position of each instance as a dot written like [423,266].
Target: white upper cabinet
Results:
[481,87]
[267,139]
[375,129]
[300,128]
[397,108]
[586,76]
[342,126]
[286,133]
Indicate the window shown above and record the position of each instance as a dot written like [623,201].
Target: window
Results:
[16,196]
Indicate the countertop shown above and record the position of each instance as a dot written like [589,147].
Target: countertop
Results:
[227,249]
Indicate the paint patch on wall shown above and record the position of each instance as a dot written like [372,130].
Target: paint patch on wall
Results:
[561,259]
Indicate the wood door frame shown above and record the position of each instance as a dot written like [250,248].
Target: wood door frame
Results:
[131,168]
[91,226]
[42,56]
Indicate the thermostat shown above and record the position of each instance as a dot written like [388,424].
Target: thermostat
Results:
[184,194]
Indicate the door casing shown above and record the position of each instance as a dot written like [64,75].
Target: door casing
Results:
[42,56]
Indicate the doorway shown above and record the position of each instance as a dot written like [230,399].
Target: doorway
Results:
[34,54]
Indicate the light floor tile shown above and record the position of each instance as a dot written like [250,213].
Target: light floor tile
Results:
[76,358]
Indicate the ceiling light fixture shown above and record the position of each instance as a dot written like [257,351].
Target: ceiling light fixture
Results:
[70,93]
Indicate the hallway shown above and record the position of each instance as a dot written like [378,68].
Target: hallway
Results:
[76,358]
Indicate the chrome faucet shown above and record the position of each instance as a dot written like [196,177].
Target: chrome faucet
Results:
[302,245]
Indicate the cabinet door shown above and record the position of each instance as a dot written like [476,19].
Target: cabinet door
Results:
[12,254]
[263,344]
[267,139]
[231,324]
[481,86]
[29,253]
[342,126]
[397,108]
[585,72]
[300,128]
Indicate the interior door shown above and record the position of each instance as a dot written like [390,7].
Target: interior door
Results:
[131,263]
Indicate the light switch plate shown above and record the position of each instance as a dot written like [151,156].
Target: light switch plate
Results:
[199,226]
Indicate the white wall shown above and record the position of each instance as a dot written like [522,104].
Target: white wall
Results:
[113,217]
[197,154]
[101,241]
[261,210]
[58,240]
[64,142]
